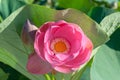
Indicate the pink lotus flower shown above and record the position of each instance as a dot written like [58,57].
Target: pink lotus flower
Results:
[59,46]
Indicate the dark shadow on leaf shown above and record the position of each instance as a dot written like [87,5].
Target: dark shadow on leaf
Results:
[114,42]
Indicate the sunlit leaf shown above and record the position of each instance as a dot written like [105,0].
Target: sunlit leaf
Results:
[106,63]
[110,23]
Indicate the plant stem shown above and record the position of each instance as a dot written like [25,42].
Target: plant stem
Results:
[47,77]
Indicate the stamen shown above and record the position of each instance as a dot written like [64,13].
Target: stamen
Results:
[60,45]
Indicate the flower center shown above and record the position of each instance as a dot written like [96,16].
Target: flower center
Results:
[60,45]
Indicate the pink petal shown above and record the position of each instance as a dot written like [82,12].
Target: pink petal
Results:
[39,44]
[63,69]
[36,65]
[84,55]
[60,23]
[72,35]
[69,31]
[66,31]
[52,58]
[50,33]
[53,27]
[45,26]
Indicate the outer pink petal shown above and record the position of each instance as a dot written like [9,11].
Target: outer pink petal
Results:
[49,35]
[39,44]
[84,55]
[45,26]
[36,65]
[63,69]
[60,23]
[39,39]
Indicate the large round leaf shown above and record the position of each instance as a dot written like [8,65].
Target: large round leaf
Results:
[106,63]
